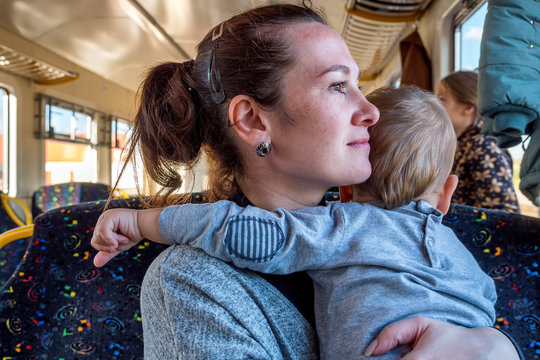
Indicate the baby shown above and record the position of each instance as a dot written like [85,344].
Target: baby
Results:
[390,236]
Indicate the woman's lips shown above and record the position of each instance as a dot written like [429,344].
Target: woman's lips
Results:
[360,143]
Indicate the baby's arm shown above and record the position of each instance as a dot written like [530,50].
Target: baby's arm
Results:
[119,230]
[278,241]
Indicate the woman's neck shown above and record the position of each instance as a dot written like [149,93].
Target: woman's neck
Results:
[270,195]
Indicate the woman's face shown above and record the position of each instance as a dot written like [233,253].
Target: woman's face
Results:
[327,142]
[460,117]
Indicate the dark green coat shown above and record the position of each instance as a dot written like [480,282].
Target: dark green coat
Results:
[509,82]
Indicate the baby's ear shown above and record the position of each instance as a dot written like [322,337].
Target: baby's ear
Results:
[445,194]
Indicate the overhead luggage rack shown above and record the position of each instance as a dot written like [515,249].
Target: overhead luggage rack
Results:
[373,30]
[40,72]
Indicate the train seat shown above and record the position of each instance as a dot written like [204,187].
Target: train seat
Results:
[55,196]
[507,247]
[13,213]
[57,303]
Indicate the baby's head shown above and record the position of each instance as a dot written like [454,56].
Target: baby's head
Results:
[412,147]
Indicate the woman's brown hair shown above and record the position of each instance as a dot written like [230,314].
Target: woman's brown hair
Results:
[183,108]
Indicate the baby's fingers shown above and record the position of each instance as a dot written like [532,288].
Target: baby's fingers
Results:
[103,257]
[102,246]
[108,241]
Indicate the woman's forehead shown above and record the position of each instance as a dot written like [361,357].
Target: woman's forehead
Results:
[318,48]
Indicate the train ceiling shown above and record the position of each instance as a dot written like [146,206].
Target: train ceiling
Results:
[121,39]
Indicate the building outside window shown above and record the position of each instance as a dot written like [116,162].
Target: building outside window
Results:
[70,133]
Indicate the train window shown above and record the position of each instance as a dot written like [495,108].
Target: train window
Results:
[7,106]
[62,120]
[467,37]
[70,133]
[468,29]
[120,130]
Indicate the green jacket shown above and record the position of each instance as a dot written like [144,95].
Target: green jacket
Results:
[509,82]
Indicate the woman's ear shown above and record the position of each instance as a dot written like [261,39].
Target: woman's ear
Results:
[247,119]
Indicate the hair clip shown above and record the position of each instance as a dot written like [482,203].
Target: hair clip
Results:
[216,36]
[214,78]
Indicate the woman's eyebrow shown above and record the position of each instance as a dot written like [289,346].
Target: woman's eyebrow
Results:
[340,68]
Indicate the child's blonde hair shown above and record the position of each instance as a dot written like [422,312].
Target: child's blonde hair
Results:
[412,146]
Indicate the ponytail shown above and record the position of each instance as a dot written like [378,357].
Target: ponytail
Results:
[166,126]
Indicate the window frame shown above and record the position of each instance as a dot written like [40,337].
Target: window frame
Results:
[96,118]
[469,8]
[10,104]
[115,145]
[113,131]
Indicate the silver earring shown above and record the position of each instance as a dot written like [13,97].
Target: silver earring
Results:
[264,149]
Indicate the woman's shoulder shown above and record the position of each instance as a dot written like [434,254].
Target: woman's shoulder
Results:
[195,267]
[207,289]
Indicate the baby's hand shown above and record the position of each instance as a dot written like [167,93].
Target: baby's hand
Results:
[116,230]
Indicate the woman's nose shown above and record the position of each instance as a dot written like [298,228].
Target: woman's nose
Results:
[367,114]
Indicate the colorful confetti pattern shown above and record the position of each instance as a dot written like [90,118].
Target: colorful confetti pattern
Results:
[507,247]
[12,253]
[55,196]
[59,306]
[45,198]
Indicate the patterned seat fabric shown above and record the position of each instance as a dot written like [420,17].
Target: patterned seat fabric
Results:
[58,305]
[12,253]
[507,247]
[55,196]
[10,258]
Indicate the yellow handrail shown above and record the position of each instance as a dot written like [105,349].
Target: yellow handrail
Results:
[11,213]
[21,232]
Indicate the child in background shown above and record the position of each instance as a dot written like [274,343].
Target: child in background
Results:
[390,236]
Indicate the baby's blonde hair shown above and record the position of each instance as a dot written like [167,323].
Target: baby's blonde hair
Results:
[412,145]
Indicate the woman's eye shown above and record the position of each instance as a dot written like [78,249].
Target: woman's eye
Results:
[340,86]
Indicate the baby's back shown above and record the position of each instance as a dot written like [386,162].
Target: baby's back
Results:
[405,264]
